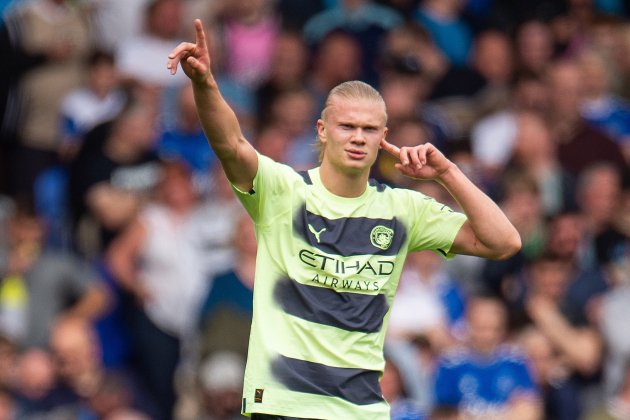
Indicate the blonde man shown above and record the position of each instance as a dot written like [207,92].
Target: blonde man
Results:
[331,246]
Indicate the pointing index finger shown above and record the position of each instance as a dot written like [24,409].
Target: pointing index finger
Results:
[201,36]
[390,148]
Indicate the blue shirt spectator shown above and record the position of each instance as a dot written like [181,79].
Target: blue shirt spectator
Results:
[482,383]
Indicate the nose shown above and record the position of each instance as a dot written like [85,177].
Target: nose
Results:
[359,136]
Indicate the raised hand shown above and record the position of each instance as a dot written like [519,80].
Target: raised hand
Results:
[424,161]
[194,58]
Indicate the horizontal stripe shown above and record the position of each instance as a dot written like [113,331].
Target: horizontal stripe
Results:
[357,386]
[348,236]
[345,310]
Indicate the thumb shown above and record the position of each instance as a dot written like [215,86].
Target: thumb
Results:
[390,148]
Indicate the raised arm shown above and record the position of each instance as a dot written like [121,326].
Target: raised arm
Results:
[237,156]
[487,233]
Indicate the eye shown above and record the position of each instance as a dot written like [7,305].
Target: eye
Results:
[347,126]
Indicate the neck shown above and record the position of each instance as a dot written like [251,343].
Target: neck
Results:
[483,349]
[343,184]
[119,150]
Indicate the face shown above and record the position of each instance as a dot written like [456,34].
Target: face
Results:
[74,350]
[550,279]
[177,189]
[351,132]
[565,85]
[486,321]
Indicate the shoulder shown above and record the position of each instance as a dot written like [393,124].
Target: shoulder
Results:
[510,353]
[454,357]
[278,172]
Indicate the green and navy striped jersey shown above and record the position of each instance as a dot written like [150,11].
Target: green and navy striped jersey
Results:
[326,273]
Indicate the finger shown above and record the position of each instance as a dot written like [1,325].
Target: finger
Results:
[182,49]
[422,154]
[414,155]
[390,148]
[201,35]
[405,158]
[196,64]
[404,169]
[177,54]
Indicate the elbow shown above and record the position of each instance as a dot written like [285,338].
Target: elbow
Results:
[510,247]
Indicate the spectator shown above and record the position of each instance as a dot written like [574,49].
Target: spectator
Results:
[220,212]
[37,387]
[616,407]
[45,284]
[487,377]
[556,303]
[534,46]
[493,136]
[521,200]
[534,156]
[221,380]
[615,315]
[249,29]
[493,58]
[579,144]
[140,58]
[84,108]
[450,32]
[293,113]
[112,176]
[559,393]
[599,106]
[425,284]
[392,387]
[365,20]
[227,309]
[98,391]
[46,26]
[157,261]
[187,142]
[336,59]
[598,193]
[117,21]
[289,63]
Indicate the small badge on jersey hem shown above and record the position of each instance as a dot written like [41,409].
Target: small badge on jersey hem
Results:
[258,395]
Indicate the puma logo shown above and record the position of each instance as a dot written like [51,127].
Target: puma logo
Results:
[314,232]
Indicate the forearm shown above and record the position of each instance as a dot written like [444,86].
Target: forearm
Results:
[494,234]
[93,304]
[580,348]
[224,133]
[524,408]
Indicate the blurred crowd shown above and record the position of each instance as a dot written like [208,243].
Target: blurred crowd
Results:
[127,265]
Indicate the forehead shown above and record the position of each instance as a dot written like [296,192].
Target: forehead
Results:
[363,110]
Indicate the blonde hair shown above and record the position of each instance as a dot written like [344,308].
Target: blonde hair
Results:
[353,89]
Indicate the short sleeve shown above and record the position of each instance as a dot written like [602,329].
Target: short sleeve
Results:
[523,377]
[270,195]
[446,391]
[434,225]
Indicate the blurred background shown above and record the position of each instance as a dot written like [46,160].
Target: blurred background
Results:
[127,265]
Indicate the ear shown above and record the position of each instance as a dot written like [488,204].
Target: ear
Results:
[321,130]
[385,131]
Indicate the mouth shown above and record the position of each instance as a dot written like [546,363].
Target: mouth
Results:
[356,153]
